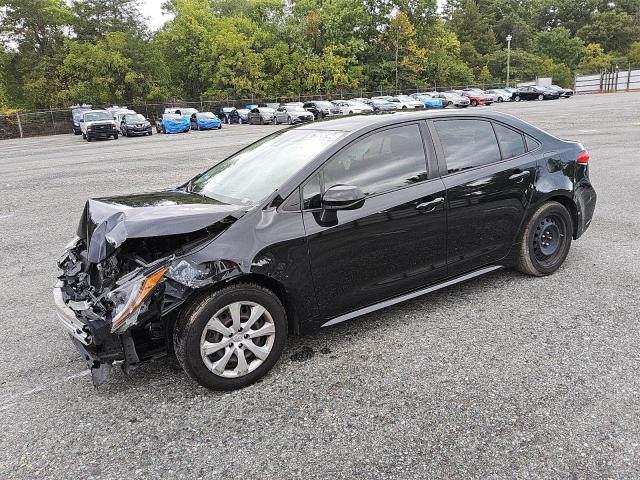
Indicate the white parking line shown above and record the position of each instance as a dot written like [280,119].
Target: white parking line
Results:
[6,216]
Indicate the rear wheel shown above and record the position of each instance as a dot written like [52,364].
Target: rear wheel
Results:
[546,240]
[541,97]
[232,337]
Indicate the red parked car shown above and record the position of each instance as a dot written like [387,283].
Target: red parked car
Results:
[477,97]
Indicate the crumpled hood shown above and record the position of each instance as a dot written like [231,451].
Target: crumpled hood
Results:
[107,222]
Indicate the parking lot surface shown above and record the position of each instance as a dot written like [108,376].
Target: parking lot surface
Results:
[506,376]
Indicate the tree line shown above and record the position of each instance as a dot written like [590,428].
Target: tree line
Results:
[56,52]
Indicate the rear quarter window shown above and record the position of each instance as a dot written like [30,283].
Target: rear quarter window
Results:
[511,142]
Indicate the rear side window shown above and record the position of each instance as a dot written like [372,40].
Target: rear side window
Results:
[467,143]
[511,142]
[381,162]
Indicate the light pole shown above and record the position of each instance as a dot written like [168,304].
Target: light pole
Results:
[509,37]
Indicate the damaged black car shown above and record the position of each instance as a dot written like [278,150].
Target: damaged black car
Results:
[311,226]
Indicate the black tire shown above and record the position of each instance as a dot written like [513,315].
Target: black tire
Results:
[115,137]
[517,98]
[84,137]
[500,100]
[190,325]
[546,240]
[274,121]
[474,103]
[88,138]
[150,132]
[540,97]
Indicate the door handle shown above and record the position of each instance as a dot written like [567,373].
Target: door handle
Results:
[430,206]
[519,176]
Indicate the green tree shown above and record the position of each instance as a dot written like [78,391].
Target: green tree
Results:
[559,45]
[594,59]
[614,30]
[633,57]
[92,19]
[471,26]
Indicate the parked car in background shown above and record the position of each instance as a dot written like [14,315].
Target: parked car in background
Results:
[173,123]
[382,105]
[76,114]
[428,100]
[563,92]
[290,114]
[205,121]
[322,109]
[350,107]
[118,116]
[229,115]
[243,115]
[312,226]
[98,124]
[186,112]
[452,99]
[474,99]
[510,89]
[292,104]
[499,94]
[476,94]
[261,115]
[403,102]
[534,93]
[134,124]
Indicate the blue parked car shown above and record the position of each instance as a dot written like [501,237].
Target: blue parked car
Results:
[205,121]
[428,100]
[173,123]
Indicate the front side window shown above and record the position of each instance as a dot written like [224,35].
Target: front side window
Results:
[467,143]
[511,142]
[380,162]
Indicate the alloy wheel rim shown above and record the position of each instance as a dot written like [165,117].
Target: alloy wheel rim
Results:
[237,339]
[548,239]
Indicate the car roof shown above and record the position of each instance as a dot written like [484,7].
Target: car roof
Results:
[357,122]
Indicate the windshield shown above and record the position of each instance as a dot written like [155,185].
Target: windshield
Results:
[256,171]
[134,118]
[206,115]
[324,104]
[266,110]
[94,116]
[405,98]
[295,108]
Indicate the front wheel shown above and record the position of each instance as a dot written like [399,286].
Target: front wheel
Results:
[541,97]
[115,136]
[232,337]
[517,99]
[474,103]
[500,100]
[546,240]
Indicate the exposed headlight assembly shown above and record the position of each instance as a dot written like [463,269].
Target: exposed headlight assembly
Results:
[129,297]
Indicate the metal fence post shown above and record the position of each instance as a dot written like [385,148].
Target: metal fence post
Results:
[19,124]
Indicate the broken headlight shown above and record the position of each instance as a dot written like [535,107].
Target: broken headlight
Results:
[128,298]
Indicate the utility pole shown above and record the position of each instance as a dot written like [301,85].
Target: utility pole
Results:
[397,46]
[509,37]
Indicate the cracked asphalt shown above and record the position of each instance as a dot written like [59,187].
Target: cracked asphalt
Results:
[506,376]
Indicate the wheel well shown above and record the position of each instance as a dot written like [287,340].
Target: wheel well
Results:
[569,205]
[278,289]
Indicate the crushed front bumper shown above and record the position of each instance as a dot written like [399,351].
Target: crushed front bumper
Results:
[68,319]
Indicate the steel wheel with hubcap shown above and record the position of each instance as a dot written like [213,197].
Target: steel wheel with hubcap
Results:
[546,240]
[231,337]
[541,97]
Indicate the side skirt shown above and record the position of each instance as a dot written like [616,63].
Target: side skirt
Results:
[409,296]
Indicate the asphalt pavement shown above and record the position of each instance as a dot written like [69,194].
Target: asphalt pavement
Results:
[506,376]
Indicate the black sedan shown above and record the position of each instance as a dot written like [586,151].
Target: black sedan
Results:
[134,125]
[534,93]
[322,109]
[563,92]
[312,226]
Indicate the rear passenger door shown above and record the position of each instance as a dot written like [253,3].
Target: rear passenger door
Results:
[489,177]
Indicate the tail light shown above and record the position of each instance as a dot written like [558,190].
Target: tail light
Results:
[583,157]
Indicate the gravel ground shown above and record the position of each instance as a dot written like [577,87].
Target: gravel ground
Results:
[506,376]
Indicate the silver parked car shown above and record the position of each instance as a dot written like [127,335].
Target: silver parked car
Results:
[499,94]
[290,114]
[452,99]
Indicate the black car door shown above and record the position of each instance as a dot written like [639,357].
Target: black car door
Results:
[489,177]
[396,241]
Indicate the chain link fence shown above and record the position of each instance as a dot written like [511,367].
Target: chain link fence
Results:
[58,121]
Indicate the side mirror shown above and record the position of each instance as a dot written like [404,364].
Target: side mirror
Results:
[343,197]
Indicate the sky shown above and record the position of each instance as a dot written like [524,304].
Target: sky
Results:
[153,10]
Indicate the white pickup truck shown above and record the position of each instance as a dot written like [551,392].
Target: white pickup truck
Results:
[98,124]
